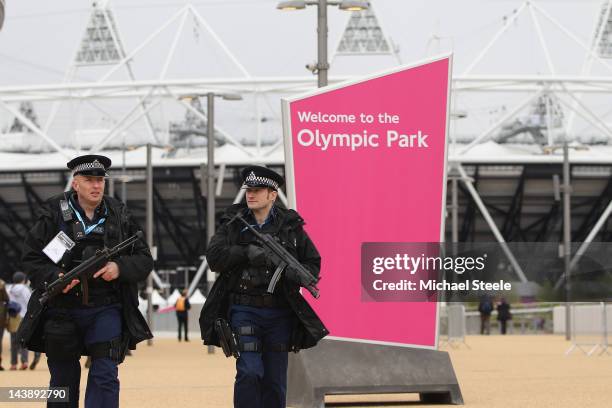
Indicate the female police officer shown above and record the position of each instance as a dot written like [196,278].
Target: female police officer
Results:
[96,316]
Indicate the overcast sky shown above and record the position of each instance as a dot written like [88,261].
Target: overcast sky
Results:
[40,38]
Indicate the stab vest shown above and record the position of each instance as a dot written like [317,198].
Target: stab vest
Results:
[88,237]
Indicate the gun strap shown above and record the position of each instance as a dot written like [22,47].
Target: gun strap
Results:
[252,346]
[257,347]
[246,331]
[279,348]
[114,349]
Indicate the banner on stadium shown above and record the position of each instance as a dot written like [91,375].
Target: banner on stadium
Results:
[365,162]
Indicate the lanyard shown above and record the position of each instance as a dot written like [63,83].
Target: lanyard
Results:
[85,227]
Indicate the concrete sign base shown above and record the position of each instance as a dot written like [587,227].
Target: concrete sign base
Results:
[336,367]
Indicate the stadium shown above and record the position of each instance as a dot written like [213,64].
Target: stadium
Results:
[151,84]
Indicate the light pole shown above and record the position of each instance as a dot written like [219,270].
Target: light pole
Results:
[210,141]
[567,228]
[210,171]
[123,170]
[150,236]
[149,223]
[567,238]
[322,66]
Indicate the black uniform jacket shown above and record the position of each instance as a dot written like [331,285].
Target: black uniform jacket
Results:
[134,265]
[225,258]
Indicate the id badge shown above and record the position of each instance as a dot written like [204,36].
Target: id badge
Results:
[58,246]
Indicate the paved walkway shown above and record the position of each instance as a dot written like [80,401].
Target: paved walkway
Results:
[510,371]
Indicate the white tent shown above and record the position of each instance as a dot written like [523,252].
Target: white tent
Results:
[142,305]
[197,298]
[158,300]
[173,297]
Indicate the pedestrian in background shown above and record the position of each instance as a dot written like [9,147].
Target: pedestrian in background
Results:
[19,295]
[3,315]
[503,315]
[485,307]
[182,307]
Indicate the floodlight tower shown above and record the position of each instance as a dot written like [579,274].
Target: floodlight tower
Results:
[364,35]
[101,45]
[322,66]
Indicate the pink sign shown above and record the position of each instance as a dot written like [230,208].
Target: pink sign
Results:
[365,162]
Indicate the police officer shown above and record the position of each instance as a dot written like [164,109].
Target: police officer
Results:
[98,315]
[267,325]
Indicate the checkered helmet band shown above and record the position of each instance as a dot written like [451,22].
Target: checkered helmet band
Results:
[253,180]
[95,165]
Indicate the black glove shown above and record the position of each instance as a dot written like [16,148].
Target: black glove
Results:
[257,255]
[238,252]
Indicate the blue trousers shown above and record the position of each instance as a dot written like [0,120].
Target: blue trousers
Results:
[261,377]
[97,324]
[17,350]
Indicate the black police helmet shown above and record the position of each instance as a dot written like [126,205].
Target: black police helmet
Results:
[258,176]
[90,165]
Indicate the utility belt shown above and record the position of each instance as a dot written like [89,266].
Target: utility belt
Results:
[232,345]
[258,300]
[70,301]
[103,300]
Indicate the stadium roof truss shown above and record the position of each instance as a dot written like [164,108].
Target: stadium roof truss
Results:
[1,13]
[567,91]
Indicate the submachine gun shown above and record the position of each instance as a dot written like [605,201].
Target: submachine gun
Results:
[87,267]
[282,259]
[37,305]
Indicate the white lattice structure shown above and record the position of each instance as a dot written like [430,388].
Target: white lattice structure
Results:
[528,74]
[363,35]
[140,110]
[1,13]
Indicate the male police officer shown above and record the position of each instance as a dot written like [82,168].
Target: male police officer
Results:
[96,316]
[267,325]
